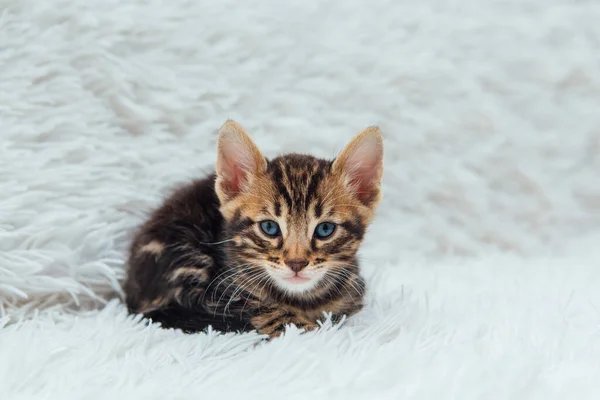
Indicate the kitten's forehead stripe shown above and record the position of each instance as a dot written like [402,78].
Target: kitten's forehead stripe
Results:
[277,208]
[278,178]
[318,208]
[314,181]
[297,178]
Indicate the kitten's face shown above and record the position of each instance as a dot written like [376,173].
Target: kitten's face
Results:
[297,219]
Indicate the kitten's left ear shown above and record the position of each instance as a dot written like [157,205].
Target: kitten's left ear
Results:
[361,164]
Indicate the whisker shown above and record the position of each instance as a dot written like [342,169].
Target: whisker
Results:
[333,283]
[248,298]
[225,279]
[224,272]
[268,280]
[246,281]
[233,281]
[349,280]
[253,273]
[233,271]
[243,287]
[221,242]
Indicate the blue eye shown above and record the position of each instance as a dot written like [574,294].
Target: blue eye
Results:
[324,230]
[270,228]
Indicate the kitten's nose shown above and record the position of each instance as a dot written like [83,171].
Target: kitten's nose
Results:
[296,265]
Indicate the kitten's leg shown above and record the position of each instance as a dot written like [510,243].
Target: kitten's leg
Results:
[188,306]
[163,274]
[193,302]
[187,285]
[273,321]
[177,317]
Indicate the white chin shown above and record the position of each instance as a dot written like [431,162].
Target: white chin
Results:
[294,285]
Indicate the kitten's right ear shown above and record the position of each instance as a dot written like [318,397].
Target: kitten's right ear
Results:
[238,161]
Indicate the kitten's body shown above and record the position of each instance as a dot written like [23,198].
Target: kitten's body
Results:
[203,259]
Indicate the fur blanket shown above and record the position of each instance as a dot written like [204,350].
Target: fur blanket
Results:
[482,264]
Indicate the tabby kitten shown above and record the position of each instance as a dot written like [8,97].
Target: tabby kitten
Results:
[262,243]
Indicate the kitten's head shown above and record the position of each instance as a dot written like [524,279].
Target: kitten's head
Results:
[297,221]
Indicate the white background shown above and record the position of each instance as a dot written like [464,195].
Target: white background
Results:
[483,261]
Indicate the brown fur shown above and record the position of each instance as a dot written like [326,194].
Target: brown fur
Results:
[202,258]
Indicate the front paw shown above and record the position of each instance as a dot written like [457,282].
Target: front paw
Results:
[273,324]
[278,330]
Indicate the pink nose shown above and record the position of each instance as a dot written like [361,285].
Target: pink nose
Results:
[296,265]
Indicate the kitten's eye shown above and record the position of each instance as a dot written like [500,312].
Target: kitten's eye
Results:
[270,228]
[324,230]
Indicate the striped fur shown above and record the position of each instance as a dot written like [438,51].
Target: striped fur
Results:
[202,259]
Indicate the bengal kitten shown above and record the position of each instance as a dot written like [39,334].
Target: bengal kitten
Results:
[260,244]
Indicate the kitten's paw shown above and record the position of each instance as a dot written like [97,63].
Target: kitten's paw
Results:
[309,326]
[276,329]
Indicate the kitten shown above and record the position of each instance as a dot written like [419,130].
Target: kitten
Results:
[261,243]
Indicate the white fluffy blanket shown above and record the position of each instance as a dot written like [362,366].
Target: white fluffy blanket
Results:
[482,264]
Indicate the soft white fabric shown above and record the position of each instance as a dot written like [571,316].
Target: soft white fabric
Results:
[482,264]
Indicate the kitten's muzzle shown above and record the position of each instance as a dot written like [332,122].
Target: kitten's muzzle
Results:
[296,265]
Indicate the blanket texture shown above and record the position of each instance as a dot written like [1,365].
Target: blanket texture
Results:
[482,264]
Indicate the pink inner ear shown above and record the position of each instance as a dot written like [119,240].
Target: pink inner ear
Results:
[363,180]
[233,178]
[236,165]
[364,170]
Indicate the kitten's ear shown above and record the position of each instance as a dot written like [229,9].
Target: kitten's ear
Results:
[238,161]
[361,164]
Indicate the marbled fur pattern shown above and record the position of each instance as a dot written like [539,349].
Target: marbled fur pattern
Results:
[201,259]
